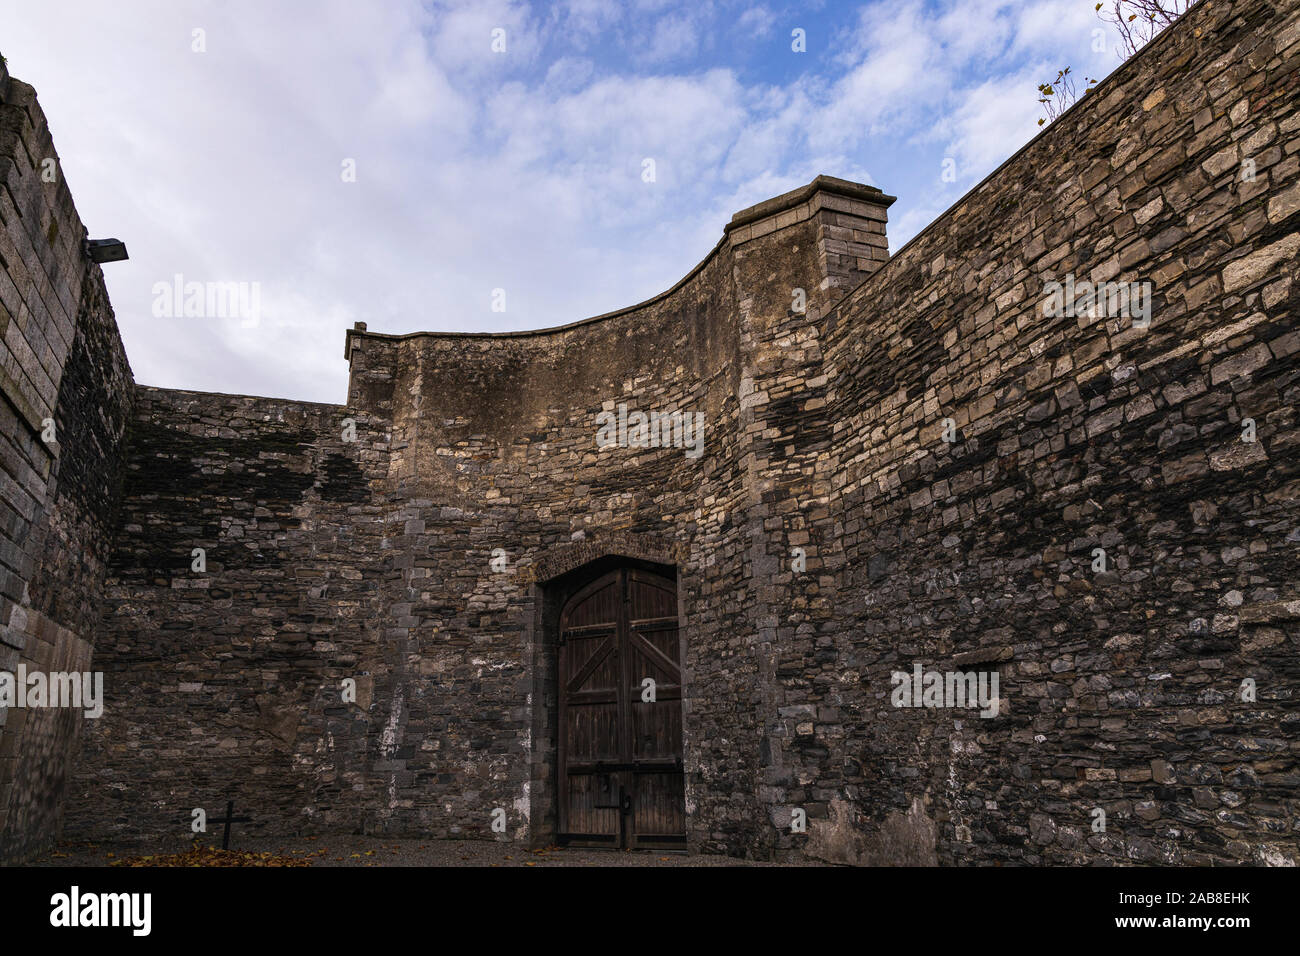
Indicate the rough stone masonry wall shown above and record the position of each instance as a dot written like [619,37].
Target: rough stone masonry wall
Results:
[61,360]
[475,443]
[494,448]
[1120,690]
[227,682]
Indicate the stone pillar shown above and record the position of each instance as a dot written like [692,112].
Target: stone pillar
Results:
[809,248]
[840,223]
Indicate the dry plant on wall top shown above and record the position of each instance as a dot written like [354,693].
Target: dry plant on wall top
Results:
[1136,21]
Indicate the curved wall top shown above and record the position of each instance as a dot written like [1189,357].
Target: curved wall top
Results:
[690,349]
[837,225]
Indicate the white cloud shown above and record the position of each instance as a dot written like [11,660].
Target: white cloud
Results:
[756,21]
[478,170]
[462,32]
[584,19]
[990,124]
[675,37]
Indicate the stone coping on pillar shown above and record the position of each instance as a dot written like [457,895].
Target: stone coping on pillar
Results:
[824,192]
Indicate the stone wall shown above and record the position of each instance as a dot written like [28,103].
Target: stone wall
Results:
[826,417]
[225,673]
[1121,689]
[64,377]
[227,683]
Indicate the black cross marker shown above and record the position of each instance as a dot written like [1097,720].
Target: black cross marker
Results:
[229,819]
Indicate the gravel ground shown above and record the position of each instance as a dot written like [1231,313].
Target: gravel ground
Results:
[381,851]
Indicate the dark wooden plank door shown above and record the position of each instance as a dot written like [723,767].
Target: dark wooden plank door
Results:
[620,753]
[589,708]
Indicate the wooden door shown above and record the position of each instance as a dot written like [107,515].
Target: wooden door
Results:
[620,753]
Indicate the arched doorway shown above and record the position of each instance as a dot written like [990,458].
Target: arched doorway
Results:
[620,713]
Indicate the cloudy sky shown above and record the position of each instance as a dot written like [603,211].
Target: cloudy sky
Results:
[382,162]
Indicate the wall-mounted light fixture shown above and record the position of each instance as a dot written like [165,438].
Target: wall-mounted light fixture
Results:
[106,250]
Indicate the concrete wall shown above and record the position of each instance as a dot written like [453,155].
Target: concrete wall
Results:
[61,362]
